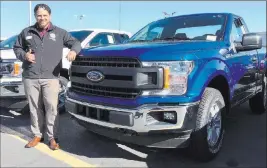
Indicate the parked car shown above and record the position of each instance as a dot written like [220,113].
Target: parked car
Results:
[2,39]
[12,90]
[172,84]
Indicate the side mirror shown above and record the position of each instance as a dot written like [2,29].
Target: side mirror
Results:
[250,41]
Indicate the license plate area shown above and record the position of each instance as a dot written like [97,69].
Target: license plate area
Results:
[115,117]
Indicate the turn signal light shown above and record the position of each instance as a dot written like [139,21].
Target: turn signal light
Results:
[166,78]
[16,69]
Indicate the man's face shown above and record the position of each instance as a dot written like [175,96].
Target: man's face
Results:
[42,17]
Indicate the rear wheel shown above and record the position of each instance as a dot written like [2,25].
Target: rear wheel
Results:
[206,140]
[258,103]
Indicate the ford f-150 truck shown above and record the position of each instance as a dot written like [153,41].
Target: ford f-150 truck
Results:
[172,84]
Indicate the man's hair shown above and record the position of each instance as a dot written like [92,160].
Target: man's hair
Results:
[44,6]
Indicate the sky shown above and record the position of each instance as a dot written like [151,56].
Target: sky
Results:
[133,15]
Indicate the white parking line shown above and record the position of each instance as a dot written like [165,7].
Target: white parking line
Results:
[135,152]
[14,113]
[58,154]
[6,116]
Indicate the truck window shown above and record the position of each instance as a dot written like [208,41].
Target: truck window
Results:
[154,33]
[80,35]
[208,33]
[102,39]
[237,32]
[120,38]
[192,27]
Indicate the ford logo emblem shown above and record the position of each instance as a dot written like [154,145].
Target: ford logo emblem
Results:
[95,76]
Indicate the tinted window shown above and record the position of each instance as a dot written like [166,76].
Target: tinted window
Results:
[80,35]
[124,37]
[120,38]
[208,27]
[102,39]
[236,33]
[8,43]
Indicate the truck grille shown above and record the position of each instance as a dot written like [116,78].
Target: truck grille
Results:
[83,64]
[107,62]
[95,90]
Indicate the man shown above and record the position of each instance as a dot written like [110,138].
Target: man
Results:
[40,49]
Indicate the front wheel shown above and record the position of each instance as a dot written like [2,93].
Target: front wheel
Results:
[258,103]
[206,139]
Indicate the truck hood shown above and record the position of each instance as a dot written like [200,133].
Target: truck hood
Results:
[7,54]
[143,51]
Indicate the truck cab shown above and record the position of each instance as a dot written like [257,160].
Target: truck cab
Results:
[172,84]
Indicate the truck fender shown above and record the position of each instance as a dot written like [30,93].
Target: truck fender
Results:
[205,73]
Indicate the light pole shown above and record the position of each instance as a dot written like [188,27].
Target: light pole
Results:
[80,17]
[119,15]
[167,15]
[30,13]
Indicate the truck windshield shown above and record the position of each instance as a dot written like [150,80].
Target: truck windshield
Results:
[208,27]
[80,35]
[8,43]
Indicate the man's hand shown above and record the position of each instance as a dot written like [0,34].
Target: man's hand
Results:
[30,57]
[71,56]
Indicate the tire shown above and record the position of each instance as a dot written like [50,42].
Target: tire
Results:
[200,148]
[61,106]
[258,103]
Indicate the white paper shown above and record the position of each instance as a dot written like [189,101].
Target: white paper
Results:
[110,39]
[211,38]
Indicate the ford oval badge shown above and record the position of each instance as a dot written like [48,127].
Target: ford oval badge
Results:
[95,76]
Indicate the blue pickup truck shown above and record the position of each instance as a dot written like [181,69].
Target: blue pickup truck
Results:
[172,84]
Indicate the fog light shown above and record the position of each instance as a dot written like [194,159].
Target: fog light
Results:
[16,89]
[169,117]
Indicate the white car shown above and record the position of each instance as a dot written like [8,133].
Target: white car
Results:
[10,67]
[2,39]
[91,38]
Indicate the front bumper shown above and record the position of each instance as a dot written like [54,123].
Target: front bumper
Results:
[12,94]
[12,89]
[137,126]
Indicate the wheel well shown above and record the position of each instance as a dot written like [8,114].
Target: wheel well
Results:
[64,73]
[221,84]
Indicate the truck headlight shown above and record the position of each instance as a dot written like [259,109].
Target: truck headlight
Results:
[175,77]
[11,69]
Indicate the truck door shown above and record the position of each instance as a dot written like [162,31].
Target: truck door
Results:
[244,65]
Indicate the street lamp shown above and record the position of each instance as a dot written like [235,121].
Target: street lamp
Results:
[119,15]
[80,18]
[30,13]
[167,15]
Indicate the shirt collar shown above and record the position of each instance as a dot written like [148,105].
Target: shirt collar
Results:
[50,27]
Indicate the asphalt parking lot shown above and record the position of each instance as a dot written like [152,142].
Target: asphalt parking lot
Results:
[244,146]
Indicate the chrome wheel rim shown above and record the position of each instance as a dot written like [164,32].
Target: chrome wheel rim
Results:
[214,125]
